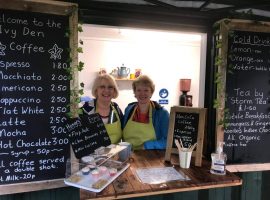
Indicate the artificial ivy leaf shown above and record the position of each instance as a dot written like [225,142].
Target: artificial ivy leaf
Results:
[69,114]
[80,111]
[80,50]
[80,66]
[69,60]
[81,92]
[78,100]
[70,77]
[80,29]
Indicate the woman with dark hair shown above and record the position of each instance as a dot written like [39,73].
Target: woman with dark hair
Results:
[145,123]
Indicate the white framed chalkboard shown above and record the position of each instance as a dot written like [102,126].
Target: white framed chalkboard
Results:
[35,92]
[245,71]
[187,124]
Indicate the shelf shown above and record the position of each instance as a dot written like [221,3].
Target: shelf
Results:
[124,79]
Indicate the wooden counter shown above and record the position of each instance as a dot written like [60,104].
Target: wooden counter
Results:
[127,185]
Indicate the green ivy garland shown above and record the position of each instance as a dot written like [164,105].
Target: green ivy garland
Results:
[76,92]
[219,62]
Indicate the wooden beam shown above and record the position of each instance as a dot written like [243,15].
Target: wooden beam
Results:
[162,4]
[41,6]
[206,3]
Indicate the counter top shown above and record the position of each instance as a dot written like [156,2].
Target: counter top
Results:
[128,185]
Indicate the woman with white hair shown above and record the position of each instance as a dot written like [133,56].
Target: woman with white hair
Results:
[104,90]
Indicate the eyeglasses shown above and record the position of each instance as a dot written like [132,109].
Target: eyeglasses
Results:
[109,87]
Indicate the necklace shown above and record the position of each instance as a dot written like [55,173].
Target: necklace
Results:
[103,116]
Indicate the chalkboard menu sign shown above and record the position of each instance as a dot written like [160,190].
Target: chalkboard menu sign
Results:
[247,87]
[186,124]
[86,134]
[34,94]
[186,128]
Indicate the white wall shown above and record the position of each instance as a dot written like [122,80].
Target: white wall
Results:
[166,59]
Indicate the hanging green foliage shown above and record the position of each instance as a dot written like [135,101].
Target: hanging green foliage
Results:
[219,64]
[77,91]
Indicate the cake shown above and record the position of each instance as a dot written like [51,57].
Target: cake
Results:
[112,171]
[102,169]
[95,173]
[85,170]
[87,159]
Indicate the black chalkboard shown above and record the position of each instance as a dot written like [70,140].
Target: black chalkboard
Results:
[186,128]
[247,136]
[34,94]
[86,134]
[187,124]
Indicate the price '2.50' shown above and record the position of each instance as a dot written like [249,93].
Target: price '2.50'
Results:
[58,88]
[58,109]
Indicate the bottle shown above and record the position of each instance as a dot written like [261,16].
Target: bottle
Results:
[183,99]
[219,159]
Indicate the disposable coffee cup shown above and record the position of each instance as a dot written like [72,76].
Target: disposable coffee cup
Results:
[185,158]
[126,152]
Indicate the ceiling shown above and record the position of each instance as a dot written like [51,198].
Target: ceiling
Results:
[188,14]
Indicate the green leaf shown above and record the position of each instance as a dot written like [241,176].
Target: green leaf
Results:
[68,50]
[79,111]
[215,106]
[81,92]
[80,66]
[80,28]
[218,63]
[69,114]
[217,81]
[70,77]
[78,100]
[79,50]
[69,60]
[226,110]
[217,75]
[218,45]
[68,70]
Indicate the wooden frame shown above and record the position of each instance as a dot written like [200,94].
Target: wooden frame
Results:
[55,8]
[227,25]
[200,135]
